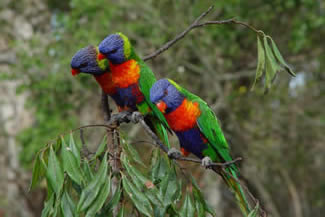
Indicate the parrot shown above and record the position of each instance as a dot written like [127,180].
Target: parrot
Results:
[198,131]
[85,61]
[124,84]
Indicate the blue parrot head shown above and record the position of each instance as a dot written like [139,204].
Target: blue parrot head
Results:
[116,48]
[86,61]
[166,96]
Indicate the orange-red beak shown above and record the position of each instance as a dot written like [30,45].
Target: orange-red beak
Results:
[101,56]
[75,72]
[161,106]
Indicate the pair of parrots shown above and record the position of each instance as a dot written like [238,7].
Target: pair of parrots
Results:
[165,105]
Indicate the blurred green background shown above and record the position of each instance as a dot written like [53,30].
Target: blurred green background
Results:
[280,135]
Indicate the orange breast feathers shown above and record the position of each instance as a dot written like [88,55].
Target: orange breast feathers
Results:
[184,117]
[106,82]
[125,74]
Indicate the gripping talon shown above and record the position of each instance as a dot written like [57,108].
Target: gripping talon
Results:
[136,117]
[174,153]
[206,162]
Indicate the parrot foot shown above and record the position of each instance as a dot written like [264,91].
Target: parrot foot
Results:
[206,162]
[174,153]
[135,117]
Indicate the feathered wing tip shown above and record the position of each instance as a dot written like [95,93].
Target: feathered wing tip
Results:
[235,187]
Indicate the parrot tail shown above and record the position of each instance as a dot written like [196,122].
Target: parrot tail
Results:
[235,187]
[157,127]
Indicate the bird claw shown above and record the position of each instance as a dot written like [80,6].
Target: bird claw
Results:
[174,153]
[135,117]
[206,162]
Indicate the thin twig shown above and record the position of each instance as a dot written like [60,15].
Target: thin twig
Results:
[197,24]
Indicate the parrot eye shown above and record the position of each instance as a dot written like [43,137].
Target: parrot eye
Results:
[83,65]
[165,92]
[113,51]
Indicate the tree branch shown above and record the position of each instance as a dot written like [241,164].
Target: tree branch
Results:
[197,24]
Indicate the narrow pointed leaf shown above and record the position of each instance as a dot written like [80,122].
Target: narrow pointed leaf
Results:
[187,210]
[260,61]
[38,172]
[71,164]
[100,200]
[101,148]
[133,153]
[67,205]
[121,212]
[108,208]
[254,212]
[199,198]
[74,148]
[87,171]
[271,66]
[54,172]
[48,207]
[139,199]
[91,191]
[281,60]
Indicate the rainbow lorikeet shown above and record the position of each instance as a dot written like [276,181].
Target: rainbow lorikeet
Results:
[86,61]
[197,129]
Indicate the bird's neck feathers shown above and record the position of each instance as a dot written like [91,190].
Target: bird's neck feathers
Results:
[125,74]
[184,117]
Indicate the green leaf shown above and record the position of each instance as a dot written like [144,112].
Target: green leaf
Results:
[139,199]
[54,172]
[187,209]
[100,200]
[87,171]
[67,205]
[271,66]
[132,153]
[169,187]
[108,208]
[279,57]
[70,163]
[254,212]
[199,200]
[260,61]
[143,183]
[38,172]
[48,207]
[121,212]
[101,147]
[75,150]
[91,191]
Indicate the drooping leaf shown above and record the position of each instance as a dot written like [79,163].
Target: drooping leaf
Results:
[54,172]
[254,212]
[100,200]
[279,57]
[68,207]
[199,199]
[187,210]
[101,147]
[91,191]
[260,61]
[271,66]
[169,187]
[48,207]
[70,163]
[138,198]
[38,172]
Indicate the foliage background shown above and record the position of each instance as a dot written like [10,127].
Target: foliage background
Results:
[280,135]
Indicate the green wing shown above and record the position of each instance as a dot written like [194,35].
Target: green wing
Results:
[147,79]
[208,124]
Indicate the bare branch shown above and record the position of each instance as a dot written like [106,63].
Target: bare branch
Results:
[197,24]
